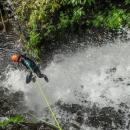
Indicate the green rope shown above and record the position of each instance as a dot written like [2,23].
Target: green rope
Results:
[44,97]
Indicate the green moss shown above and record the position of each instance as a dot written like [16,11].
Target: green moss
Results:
[15,120]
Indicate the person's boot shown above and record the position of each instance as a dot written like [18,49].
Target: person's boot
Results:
[46,78]
[43,76]
[40,75]
[34,79]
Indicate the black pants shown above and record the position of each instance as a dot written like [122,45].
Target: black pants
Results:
[36,70]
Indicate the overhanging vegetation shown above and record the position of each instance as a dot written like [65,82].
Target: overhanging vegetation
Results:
[45,19]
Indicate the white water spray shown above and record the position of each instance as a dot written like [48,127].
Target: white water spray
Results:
[101,74]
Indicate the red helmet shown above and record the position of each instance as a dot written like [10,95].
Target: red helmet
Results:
[15,57]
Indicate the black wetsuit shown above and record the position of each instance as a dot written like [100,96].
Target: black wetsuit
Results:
[31,65]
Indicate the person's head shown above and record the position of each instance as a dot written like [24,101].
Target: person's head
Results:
[15,57]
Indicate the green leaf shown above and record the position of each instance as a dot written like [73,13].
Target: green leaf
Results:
[16,119]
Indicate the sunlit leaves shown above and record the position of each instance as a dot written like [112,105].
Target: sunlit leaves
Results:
[127,2]
[16,119]
[78,2]
[54,6]
[64,21]
[89,1]
[113,19]
[34,38]
[77,14]
[98,20]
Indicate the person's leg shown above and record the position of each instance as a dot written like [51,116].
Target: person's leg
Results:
[38,72]
[46,78]
[40,75]
[29,77]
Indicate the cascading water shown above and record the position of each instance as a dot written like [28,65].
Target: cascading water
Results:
[95,81]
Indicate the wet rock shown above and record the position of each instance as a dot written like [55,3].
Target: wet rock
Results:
[128,84]
[11,103]
[77,120]
[111,70]
[118,80]
[28,126]
[106,118]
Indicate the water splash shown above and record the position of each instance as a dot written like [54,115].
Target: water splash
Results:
[97,74]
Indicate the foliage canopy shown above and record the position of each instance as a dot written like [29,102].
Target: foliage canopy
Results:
[44,19]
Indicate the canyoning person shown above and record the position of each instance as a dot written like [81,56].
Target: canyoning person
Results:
[30,65]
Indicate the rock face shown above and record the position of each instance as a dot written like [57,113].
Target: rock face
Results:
[29,126]
[12,103]
[7,44]
[105,118]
